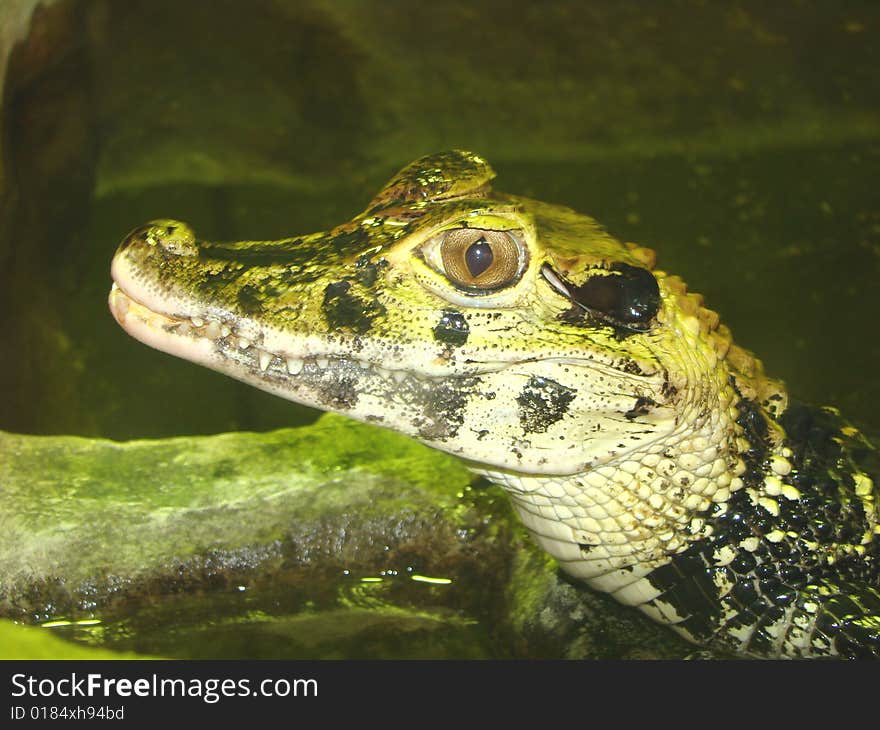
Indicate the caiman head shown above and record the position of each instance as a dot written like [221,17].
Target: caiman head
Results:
[515,334]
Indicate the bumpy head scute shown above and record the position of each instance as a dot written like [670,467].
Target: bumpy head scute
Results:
[435,177]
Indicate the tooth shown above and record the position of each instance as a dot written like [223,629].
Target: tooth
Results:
[322,363]
[365,365]
[184,328]
[243,344]
[121,305]
[294,367]
[224,330]
[212,330]
[399,375]
[265,359]
[197,321]
[383,372]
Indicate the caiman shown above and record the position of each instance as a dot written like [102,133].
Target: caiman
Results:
[645,451]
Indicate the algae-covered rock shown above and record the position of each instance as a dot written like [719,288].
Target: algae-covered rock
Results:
[331,540]
[238,530]
[85,521]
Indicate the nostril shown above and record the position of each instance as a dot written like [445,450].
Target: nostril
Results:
[172,237]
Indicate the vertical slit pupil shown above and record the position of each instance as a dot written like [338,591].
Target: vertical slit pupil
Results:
[478,257]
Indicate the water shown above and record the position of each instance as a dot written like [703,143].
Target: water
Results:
[328,617]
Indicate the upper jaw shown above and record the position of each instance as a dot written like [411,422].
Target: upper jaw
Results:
[240,352]
[269,355]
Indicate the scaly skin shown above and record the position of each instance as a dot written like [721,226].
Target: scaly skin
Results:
[644,450]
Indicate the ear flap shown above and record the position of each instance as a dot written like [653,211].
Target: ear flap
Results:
[440,176]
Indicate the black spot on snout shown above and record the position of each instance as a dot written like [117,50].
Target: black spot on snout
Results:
[249,300]
[442,408]
[344,309]
[542,402]
[452,329]
[367,271]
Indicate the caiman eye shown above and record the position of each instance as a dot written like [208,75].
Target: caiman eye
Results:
[480,260]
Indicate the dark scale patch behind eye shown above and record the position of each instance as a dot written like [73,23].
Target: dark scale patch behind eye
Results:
[543,402]
[452,329]
[626,297]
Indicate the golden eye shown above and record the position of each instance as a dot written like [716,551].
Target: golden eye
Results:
[481,260]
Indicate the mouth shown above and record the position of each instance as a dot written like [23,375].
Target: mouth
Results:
[211,341]
[342,383]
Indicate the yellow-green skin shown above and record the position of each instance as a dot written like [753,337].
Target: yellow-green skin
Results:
[620,448]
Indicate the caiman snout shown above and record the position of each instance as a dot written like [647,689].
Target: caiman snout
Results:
[156,251]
